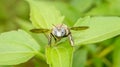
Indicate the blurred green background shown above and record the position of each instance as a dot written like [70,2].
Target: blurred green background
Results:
[14,14]
[9,10]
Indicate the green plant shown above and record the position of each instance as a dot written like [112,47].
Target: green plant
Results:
[20,46]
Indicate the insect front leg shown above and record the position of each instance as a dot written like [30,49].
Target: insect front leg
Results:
[71,39]
[49,39]
[54,38]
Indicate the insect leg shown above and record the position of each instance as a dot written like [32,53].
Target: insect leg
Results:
[49,39]
[71,39]
[54,38]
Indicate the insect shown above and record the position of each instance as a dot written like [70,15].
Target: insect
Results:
[60,31]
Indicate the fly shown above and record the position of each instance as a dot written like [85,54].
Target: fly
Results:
[60,31]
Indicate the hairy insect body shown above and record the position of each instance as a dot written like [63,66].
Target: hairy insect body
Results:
[60,31]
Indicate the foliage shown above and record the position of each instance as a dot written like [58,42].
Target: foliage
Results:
[98,46]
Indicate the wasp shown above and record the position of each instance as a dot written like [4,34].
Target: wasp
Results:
[59,31]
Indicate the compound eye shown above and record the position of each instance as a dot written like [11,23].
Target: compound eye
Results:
[63,32]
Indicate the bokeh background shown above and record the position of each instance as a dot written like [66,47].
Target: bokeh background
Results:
[14,14]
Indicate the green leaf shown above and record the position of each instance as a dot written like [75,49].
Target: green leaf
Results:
[100,28]
[116,54]
[43,14]
[60,55]
[24,24]
[17,47]
[80,57]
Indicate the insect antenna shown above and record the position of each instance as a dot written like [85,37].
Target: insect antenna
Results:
[54,25]
[61,25]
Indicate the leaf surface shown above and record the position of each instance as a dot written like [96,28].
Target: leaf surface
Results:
[17,47]
[60,56]
[100,28]
[43,14]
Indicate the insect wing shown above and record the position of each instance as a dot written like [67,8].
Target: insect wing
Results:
[39,30]
[79,28]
